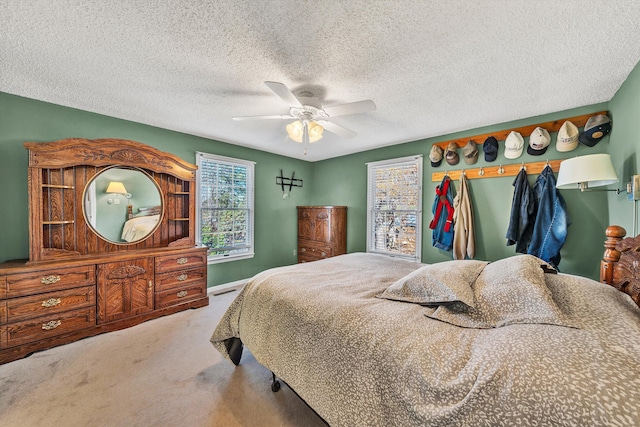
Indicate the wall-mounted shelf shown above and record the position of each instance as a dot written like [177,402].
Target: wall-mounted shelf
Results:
[525,131]
[494,171]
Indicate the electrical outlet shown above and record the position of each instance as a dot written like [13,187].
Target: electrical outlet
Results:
[295,252]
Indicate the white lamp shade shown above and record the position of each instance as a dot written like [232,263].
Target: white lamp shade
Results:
[295,130]
[116,187]
[594,170]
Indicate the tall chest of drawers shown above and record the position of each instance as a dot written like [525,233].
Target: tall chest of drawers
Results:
[322,232]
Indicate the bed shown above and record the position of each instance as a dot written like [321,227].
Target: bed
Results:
[369,340]
[140,224]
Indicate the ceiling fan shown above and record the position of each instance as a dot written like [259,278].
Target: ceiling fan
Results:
[310,117]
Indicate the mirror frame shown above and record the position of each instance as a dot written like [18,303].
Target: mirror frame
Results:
[132,168]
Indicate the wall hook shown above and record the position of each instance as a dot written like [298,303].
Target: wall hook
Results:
[500,170]
[481,171]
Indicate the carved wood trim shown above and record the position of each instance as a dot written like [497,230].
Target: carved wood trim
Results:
[106,152]
[126,272]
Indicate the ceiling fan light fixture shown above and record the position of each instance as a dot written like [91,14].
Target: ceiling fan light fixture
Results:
[295,130]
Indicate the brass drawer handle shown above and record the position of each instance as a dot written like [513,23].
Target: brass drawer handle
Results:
[182,294]
[49,280]
[303,249]
[324,254]
[51,302]
[183,277]
[51,325]
[182,260]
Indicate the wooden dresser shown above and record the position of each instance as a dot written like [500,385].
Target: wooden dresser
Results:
[80,280]
[322,232]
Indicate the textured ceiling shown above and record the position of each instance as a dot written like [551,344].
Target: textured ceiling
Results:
[431,67]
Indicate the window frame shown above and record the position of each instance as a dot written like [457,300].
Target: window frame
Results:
[387,164]
[200,158]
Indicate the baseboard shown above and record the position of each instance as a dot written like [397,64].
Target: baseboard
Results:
[227,287]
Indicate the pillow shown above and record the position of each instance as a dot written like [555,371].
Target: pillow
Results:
[509,291]
[444,282]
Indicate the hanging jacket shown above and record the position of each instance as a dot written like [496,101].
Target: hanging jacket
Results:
[523,214]
[552,221]
[442,222]
[464,243]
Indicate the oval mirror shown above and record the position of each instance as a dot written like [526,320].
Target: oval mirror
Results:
[123,205]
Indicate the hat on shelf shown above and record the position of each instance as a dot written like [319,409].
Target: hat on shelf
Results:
[597,127]
[513,145]
[539,141]
[470,153]
[451,154]
[490,148]
[567,137]
[436,155]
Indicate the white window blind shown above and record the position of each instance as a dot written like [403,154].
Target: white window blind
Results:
[225,206]
[394,201]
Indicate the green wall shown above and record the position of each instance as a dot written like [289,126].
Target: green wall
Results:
[23,119]
[624,146]
[339,181]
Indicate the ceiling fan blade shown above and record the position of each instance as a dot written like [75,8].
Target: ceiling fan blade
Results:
[274,116]
[283,92]
[337,129]
[350,108]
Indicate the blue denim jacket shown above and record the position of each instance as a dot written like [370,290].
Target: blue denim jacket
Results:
[552,221]
[523,214]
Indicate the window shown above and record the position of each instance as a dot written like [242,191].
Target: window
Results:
[394,207]
[224,216]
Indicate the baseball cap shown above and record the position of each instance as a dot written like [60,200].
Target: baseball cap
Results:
[539,141]
[451,154]
[567,137]
[490,148]
[513,145]
[436,155]
[597,127]
[470,153]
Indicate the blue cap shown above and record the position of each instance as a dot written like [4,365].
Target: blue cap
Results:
[490,148]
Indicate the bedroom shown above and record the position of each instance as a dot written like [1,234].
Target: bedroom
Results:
[339,181]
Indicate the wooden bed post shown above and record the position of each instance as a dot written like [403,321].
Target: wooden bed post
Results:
[611,255]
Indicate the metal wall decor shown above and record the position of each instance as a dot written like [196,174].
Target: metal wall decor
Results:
[285,182]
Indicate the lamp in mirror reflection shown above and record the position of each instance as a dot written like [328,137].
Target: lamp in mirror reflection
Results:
[116,188]
[586,172]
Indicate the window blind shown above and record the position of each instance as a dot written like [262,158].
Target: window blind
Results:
[225,206]
[395,207]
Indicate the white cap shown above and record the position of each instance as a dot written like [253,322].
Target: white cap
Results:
[513,145]
[539,140]
[567,137]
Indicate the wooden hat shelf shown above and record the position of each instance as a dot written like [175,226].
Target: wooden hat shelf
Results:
[497,170]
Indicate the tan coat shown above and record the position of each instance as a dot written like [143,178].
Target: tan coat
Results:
[464,242]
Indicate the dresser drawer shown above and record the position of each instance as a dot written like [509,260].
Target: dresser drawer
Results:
[314,251]
[181,278]
[3,312]
[41,328]
[181,262]
[3,287]
[49,280]
[180,295]
[50,303]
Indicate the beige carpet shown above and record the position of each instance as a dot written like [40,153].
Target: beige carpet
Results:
[161,373]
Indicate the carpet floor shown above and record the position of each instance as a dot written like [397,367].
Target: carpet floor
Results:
[160,373]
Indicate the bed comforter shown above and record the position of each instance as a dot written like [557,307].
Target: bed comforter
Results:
[359,359]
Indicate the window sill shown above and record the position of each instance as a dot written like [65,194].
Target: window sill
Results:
[219,260]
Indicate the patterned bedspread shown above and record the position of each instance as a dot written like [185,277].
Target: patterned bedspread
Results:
[360,359]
